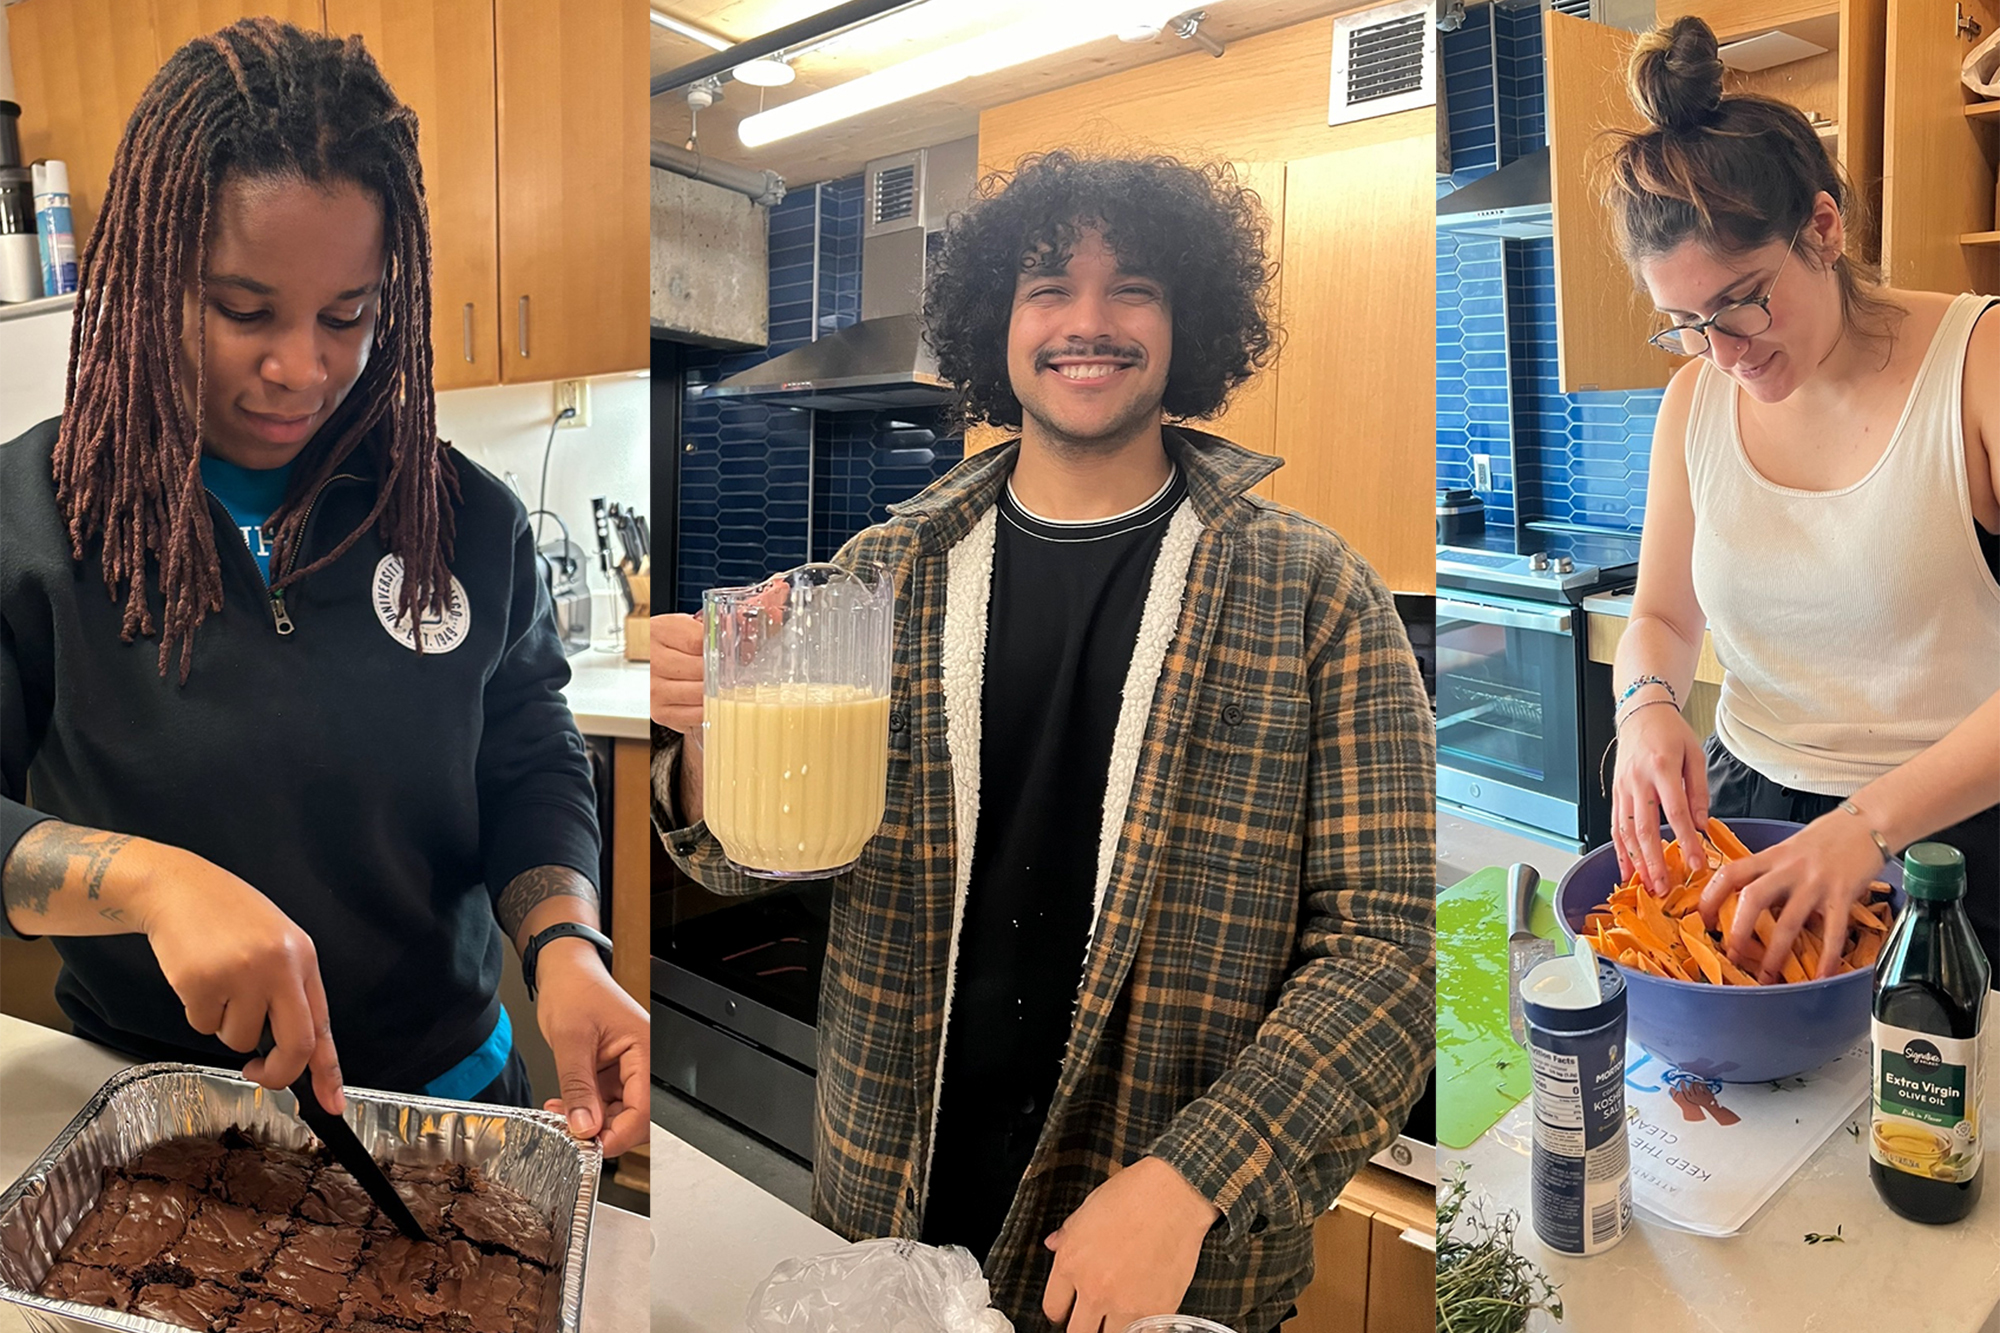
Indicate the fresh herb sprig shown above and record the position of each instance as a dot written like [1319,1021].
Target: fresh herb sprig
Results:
[1821,1238]
[1483,1286]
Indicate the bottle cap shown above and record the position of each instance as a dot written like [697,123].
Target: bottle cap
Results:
[1934,871]
[54,177]
[1577,992]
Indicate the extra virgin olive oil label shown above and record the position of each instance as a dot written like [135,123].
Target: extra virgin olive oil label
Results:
[1926,1116]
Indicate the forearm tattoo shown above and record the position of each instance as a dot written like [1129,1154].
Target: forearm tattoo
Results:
[47,856]
[531,888]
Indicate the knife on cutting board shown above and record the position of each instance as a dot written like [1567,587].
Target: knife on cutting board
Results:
[1525,949]
[347,1149]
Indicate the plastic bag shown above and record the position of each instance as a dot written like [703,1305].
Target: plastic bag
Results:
[1982,67]
[877,1286]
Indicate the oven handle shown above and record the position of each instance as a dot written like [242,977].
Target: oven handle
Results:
[1553,622]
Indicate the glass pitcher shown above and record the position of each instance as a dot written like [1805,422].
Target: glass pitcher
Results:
[795,718]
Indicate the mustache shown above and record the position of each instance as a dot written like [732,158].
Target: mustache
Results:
[1102,348]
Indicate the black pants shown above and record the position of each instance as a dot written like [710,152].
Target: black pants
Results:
[1735,790]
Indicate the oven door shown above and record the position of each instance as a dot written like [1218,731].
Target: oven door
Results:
[1507,733]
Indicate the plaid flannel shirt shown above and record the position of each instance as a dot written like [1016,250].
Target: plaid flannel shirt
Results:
[1257,1004]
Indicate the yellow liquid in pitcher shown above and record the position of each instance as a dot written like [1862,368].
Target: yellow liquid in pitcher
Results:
[793,776]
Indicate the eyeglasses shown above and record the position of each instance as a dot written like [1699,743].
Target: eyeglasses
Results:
[1739,319]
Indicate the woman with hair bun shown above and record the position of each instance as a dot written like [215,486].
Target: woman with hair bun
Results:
[1824,496]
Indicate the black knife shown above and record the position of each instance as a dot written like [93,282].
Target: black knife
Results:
[335,1133]
[645,534]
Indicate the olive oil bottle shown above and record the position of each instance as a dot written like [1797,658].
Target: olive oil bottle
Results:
[1930,989]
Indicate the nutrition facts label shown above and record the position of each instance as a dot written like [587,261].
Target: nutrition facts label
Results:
[1558,1104]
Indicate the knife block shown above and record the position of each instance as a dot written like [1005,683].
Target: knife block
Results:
[638,623]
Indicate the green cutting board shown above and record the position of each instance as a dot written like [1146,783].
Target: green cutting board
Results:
[1481,1073]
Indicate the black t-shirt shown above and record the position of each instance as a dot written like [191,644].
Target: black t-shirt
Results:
[1062,622]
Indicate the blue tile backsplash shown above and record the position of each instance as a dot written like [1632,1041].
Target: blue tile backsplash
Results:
[764,488]
[1576,459]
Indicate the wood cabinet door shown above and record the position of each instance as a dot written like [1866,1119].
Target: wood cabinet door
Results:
[438,55]
[1356,391]
[79,65]
[1402,1277]
[181,21]
[1742,18]
[1937,164]
[574,136]
[1602,319]
[1336,1301]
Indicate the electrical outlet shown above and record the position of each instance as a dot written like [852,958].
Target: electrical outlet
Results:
[576,394]
[1482,472]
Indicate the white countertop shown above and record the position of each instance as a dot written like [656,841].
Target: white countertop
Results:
[47,1076]
[1887,1273]
[609,695]
[715,1237]
[1610,604]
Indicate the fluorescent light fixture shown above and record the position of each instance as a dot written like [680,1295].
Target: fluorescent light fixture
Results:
[672,24]
[1055,27]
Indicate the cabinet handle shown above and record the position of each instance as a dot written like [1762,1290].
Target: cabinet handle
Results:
[524,326]
[1420,1238]
[468,331]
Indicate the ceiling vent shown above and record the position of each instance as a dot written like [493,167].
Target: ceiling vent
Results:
[1384,61]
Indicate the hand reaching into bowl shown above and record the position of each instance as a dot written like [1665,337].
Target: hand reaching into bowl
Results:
[1822,870]
[1661,772]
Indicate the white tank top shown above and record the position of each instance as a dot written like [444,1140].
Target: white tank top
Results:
[1855,627]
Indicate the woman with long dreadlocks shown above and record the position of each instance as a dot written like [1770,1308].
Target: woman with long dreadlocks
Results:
[313,777]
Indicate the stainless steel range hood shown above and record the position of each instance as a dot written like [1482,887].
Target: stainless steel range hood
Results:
[1512,203]
[882,361]
[875,364]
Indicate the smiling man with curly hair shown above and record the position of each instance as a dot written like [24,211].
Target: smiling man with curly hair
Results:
[1138,970]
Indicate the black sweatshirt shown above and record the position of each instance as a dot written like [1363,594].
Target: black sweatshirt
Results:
[381,798]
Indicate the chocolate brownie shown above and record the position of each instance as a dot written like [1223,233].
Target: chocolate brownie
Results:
[202,1305]
[225,1242]
[92,1286]
[140,1221]
[259,1316]
[193,1162]
[238,1234]
[505,1220]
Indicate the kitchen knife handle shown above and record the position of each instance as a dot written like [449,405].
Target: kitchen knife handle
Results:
[1522,880]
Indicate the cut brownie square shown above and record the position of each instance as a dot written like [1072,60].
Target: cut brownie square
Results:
[225,1242]
[535,1284]
[312,1269]
[337,1199]
[448,1174]
[394,1281]
[478,1287]
[203,1305]
[501,1217]
[271,1180]
[132,1225]
[261,1316]
[193,1162]
[105,1287]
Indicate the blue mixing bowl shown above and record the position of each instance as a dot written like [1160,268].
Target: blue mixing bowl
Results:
[1737,1034]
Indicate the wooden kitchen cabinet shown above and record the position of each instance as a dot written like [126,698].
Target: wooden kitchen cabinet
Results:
[79,65]
[575,209]
[439,58]
[1374,1260]
[1602,318]
[1938,154]
[532,130]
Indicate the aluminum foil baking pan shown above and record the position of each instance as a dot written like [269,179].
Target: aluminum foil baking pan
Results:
[530,1152]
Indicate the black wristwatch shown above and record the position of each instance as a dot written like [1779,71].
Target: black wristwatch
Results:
[561,930]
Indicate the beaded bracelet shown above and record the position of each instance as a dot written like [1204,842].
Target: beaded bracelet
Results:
[1640,684]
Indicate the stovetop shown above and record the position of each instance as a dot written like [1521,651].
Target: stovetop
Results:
[1539,565]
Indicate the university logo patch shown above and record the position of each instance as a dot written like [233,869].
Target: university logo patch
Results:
[442,631]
